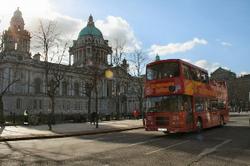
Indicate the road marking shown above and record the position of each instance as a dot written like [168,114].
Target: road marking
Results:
[143,142]
[168,147]
[211,150]
[238,161]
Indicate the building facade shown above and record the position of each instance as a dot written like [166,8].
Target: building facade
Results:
[29,91]
[238,88]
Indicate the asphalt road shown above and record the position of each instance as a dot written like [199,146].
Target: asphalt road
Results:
[228,145]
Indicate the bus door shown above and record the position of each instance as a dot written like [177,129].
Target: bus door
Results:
[188,109]
[201,111]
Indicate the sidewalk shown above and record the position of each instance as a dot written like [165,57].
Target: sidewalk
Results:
[239,113]
[12,133]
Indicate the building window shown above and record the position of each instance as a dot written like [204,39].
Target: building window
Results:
[34,104]
[77,105]
[76,89]
[88,50]
[109,88]
[40,104]
[18,103]
[18,28]
[37,85]
[68,105]
[64,88]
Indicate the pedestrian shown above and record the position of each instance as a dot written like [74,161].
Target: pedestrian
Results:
[92,119]
[11,116]
[14,118]
[40,117]
[26,117]
[136,114]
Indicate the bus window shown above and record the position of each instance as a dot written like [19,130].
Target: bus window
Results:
[194,75]
[198,75]
[163,70]
[214,104]
[152,73]
[187,106]
[187,72]
[165,104]
[221,104]
[204,77]
[207,105]
[199,104]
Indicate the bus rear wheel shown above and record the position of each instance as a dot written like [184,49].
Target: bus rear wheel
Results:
[199,125]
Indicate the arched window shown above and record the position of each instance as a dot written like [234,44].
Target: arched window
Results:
[15,46]
[38,86]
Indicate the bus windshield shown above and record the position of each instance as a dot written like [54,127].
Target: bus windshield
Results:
[163,70]
[172,103]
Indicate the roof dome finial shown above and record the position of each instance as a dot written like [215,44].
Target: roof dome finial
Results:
[90,29]
[157,57]
[18,12]
[91,22]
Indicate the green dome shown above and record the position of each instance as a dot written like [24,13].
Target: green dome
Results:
[90,29]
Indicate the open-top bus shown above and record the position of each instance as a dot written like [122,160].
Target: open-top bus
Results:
[181,98]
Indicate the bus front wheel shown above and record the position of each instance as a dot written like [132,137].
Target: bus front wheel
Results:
[199,125]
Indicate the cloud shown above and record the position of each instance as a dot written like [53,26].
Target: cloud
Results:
[209,66]
[66,26]
[244,73]
[118,29]
[226,44]
[114,28]
[172,48]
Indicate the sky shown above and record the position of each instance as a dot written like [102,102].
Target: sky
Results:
[207,33]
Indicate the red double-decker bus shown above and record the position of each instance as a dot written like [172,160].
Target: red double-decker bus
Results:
[181,98]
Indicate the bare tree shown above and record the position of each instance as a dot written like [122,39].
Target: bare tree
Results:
[95,74]
[118,51]
[87,90]
[1,43]
[48,39]
[138,60]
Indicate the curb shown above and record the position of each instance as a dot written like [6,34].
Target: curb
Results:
[31,137]
[238,115]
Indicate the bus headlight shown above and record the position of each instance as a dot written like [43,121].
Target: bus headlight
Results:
[173,88]
[175,118]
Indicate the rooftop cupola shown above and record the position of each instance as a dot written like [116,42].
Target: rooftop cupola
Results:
[17,22]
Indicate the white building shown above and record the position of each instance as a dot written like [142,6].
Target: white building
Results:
[29,92]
